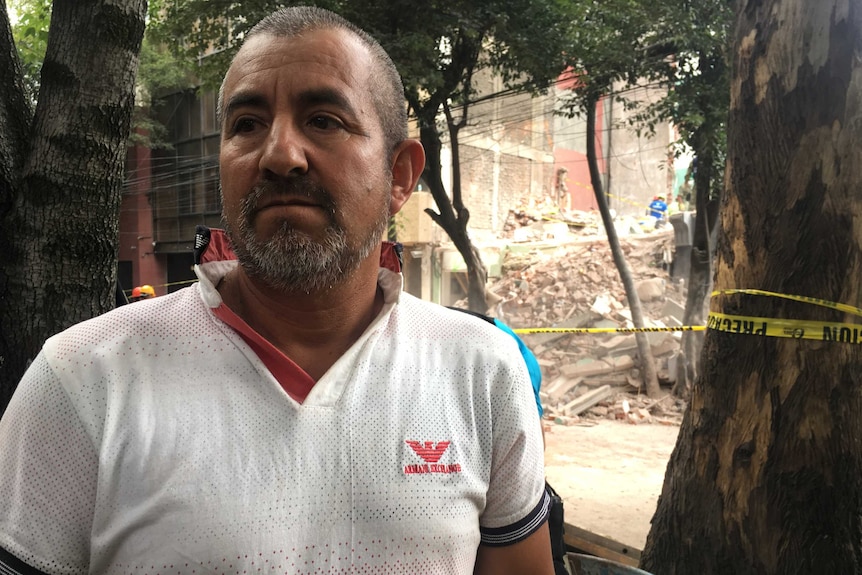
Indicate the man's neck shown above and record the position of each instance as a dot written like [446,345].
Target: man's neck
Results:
[313,329]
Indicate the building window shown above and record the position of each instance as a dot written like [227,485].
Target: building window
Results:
[185,191]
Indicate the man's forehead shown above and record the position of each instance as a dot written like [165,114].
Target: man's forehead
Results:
[333,45]
[330,56]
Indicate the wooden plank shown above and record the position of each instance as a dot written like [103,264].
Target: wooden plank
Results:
[583,541]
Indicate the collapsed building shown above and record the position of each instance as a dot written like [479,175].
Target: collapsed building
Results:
[558,272]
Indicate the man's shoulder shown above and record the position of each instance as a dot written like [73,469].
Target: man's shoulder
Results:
[135,322]
[421,307]
[432,319]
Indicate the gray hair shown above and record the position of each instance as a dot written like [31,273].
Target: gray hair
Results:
[388,91]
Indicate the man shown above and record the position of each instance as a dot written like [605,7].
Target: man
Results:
[295,413]
[657,207]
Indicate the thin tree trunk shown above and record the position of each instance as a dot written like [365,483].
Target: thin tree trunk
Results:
[765,476]
[453,219]
[648,369]
[700,274]
[60,233]
[476,274]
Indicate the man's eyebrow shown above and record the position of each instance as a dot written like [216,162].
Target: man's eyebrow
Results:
[311,97]
[244,99]
[327,96]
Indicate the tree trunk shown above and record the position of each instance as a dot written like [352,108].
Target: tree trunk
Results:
[59,234]
[765,476]
[700,274]
[648,370]
[15,117]
[453,219]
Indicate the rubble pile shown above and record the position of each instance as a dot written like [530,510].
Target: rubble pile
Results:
[544,287]
[521,223]
[576,284]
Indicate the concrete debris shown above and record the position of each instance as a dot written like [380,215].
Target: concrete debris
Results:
[651,289]
[567,278]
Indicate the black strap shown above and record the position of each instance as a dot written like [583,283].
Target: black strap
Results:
[556,526]
[11,565]
[475,313]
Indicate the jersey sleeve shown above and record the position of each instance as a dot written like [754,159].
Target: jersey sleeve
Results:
[533,367]
[48,475]
[517,503]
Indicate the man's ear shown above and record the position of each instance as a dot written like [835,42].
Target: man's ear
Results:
[407,165]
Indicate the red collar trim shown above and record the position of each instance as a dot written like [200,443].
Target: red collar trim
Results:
[292,378]
[219,250]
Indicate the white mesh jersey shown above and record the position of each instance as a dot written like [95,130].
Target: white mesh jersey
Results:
[152,440]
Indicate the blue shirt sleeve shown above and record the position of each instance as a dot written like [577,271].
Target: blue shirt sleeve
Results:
[530,360]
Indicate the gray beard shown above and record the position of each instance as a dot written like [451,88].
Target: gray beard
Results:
[291,260]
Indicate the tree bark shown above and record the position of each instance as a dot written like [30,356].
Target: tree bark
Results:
[452,218]
[15,115]
[650,378]
[60,231]
[765,476]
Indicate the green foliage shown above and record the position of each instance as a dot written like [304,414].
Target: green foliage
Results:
[441,48]
[681,45]
[613,41]
[437,48]
[698,75]
[699,99]
[159,71]
[30,33]
[202,33]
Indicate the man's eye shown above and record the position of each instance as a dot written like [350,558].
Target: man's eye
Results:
[244,125]
[325,123]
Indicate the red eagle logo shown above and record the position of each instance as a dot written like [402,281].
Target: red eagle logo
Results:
[429,452]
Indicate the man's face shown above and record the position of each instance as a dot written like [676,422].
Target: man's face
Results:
[305,177]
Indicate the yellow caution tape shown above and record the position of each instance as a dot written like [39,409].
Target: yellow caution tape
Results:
[748,325]
[607,329]
[744,325]
[183,282]
[581,185]
[790,328]
[796,329]
[628,201]
[179,283]
[812,300]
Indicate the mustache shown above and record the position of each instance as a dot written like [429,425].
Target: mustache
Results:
[300,187]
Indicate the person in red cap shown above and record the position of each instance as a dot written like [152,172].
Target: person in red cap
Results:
[142,292]
[136,294]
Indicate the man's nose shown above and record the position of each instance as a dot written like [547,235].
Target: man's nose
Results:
[285,150]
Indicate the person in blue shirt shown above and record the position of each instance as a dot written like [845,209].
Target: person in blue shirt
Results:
[658,208]
[529,359]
